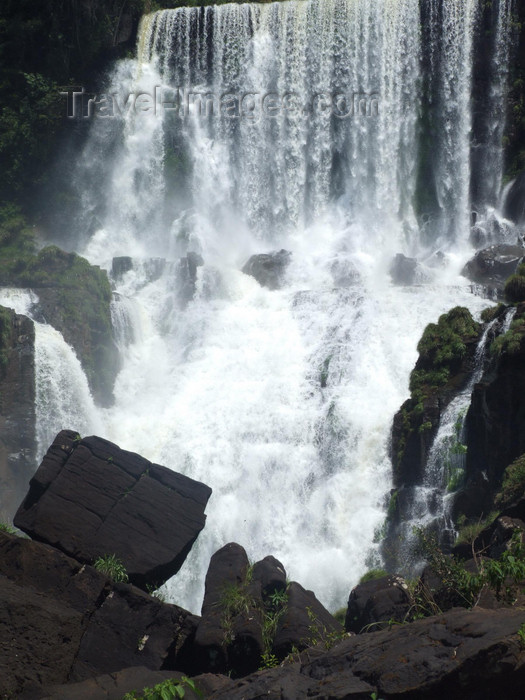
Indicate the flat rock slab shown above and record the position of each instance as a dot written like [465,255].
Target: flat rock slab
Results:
[461,655]
[89,498]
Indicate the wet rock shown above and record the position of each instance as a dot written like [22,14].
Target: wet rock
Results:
[268,268]
[375,602]
[17,409]
[492,266]
[514,207]
[89,498]
[271,575]
[187,277]
[403,270]
[121,265]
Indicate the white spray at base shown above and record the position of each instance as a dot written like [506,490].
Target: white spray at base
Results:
[282,401]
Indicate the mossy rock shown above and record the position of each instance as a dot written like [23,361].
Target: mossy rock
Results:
[513,485]
[445,353]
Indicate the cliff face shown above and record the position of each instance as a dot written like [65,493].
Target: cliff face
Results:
[17,409]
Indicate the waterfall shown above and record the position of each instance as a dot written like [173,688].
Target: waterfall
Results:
[300,126]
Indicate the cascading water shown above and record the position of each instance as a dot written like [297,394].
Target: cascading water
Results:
[282,400]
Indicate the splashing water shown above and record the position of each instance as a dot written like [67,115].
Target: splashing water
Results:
[282,401]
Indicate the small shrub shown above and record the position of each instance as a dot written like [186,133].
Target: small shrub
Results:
[166,690]
[4,527]
[372,575]
[469,532]
[515,288]
[112,567]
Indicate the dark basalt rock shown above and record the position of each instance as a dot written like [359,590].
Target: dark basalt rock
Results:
[89,498]
[375,602]
[460,655]
[229,636]
[492,266]
[403,270]
[61,621]
[17,409]
[121,265]
[514,207]
[271,575]
[495,422]
[268,268]
[187,277]
[305,622]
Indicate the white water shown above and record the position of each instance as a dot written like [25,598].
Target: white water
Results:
[228,388]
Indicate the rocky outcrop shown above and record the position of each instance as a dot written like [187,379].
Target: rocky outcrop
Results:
[376,604]
[17,409]
[89,498]
[495,422]
[446,354]
[403,270]
[268,268]
[492,266]
[250,613]
[61,621]
[461,655]
[187,277]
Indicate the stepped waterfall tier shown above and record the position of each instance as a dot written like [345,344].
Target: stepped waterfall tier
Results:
[340,131]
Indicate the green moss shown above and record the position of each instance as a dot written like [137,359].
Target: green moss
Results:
[513,485]
[373,575]
[515,288]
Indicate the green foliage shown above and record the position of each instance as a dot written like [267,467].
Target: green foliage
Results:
[521,635]
[443,347]
[340,615]
[509,342]
[319,634]
[469,532]
[489,314]
[167,690]
[112,567]
[503,576]
[513,485]
[373,575]
[4,527]
[515,288]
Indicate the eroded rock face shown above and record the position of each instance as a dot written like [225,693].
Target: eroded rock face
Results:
[89,498]
[268,268]
[372,605]
[463,654]
[514,208]
[17,409]
[62,621]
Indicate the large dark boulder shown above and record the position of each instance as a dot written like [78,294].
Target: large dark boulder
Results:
[89,498]
[460,655]
[374,604]
[62,621]
[229,635]
[403,270]
[268,268]
[492,266]
[305,622]
[17,409]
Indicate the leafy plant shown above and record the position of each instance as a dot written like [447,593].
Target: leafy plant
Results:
[167,690]
[521,635]
[112,567]
[4,527]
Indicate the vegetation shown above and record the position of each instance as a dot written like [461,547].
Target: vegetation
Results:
[4,527]
[503,576]
[442,350]
[112,567]
[515,286]
[510,342]
[470,531]
[373,575]
[513,485]
[166,690]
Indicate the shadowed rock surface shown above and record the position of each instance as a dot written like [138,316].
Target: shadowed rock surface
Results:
[89,498]
[268,268]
